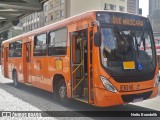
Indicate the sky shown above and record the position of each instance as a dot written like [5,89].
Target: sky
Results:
[144,4]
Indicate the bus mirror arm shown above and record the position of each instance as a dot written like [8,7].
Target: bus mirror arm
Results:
[97,39]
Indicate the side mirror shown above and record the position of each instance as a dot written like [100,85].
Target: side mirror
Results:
[97,39]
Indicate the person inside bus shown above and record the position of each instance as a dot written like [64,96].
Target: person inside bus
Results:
[108,42]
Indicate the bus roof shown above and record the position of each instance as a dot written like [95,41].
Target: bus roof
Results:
[63,23]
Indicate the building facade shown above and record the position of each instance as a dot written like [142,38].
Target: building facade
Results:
[133,6]
[32,21]
[154,14]
[55,10]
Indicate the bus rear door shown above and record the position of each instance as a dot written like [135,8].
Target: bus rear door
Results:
[27,63]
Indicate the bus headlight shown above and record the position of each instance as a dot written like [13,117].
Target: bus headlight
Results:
[108,85]
[156,81]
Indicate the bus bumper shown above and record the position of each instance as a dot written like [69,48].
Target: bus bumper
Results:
[103,98]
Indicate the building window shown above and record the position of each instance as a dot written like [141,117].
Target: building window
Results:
[58,42]
[57,14]
[62,13]
[121,8]
[50,6]
[62,1]
[35,25]
[38,14]
[40,45]
[112,7]
[33,16]
[57,2]
[46,18]
[45,8]
[51,17]
[106,6]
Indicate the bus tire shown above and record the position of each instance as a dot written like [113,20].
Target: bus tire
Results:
[15,80]
[61,92]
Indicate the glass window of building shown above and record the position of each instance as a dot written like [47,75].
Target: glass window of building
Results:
[50,5]
[57,2]
[62,1]
[51,17]
[57,14]
[112,7]
[46,18]
[45,8]
[38,14]
[62,13]
[106,6]
[121,8]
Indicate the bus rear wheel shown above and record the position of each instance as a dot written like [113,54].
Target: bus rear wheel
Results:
[15,80]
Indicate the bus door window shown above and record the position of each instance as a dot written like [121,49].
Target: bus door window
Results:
[28,52]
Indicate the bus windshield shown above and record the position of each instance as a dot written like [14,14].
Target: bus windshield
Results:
[127,50]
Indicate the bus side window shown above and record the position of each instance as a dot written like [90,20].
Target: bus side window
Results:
[40,45]
[11,49]
[58,42]
[18,49]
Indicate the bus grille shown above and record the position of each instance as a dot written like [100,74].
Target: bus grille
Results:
[130,98]
[125,79]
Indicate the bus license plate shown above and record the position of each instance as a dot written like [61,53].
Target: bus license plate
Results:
[137,100]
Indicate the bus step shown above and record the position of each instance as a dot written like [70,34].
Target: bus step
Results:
[28,84]
[85,100]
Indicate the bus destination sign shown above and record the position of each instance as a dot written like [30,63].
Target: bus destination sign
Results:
[127,21]
[121,19]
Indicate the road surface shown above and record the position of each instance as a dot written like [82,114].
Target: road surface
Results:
[28,98]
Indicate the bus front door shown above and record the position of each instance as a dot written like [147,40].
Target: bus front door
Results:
[81,54]
[6,62]
[27,63]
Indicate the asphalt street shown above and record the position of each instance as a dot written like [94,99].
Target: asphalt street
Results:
[27,98]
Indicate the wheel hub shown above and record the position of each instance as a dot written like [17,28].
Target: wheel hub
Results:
[62,92]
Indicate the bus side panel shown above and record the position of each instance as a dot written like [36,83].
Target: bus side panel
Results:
[36,71]
[11,63]
[19,68]
[46,82]
[15,64]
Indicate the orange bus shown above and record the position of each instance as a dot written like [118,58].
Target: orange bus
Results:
[97,57]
